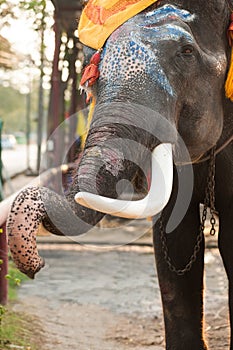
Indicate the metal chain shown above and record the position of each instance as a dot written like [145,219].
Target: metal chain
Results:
[210,192]
[209,201]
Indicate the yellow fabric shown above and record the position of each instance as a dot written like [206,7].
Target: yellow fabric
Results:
[100,18]
[89,119]
[81,124]
[81,128]
[229,81]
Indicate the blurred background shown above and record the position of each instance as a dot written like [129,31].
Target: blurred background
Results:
[42,114]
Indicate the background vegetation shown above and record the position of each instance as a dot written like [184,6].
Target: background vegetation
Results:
[13,109]
[13,103]
[18,330]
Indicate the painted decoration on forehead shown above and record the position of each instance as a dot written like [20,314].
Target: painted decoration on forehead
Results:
[169,11]
[100,18]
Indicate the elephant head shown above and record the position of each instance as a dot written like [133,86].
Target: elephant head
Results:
[161,85]
[161,58]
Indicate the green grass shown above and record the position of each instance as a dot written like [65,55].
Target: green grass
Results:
[15,277]
[18,329]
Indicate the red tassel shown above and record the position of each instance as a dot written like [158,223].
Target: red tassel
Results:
[91,71]
[230,31]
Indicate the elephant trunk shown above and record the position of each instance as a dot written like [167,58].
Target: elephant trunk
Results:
[116,148]
[101,167]
[35,206]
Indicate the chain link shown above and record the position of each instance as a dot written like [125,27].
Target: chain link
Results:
[209,201]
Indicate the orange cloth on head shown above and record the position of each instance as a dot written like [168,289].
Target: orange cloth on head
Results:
[100,18]
[229,80]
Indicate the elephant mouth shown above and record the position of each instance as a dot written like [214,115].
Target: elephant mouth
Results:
[153,203]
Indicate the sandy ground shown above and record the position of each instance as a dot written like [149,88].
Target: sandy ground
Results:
[96,298]
[107,300]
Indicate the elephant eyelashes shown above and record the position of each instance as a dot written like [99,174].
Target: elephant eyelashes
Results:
[187,50]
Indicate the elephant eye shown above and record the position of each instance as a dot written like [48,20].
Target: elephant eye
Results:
[187,50]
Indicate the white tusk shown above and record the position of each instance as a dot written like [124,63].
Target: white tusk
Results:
[152,204]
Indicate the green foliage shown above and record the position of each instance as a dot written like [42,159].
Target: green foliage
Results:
[7,12]
[36,6]
[2,313]
[37,9]
[13,109]
[16,329]
[7,56]
[15,277]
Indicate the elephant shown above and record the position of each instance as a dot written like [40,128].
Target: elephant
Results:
[160,94]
